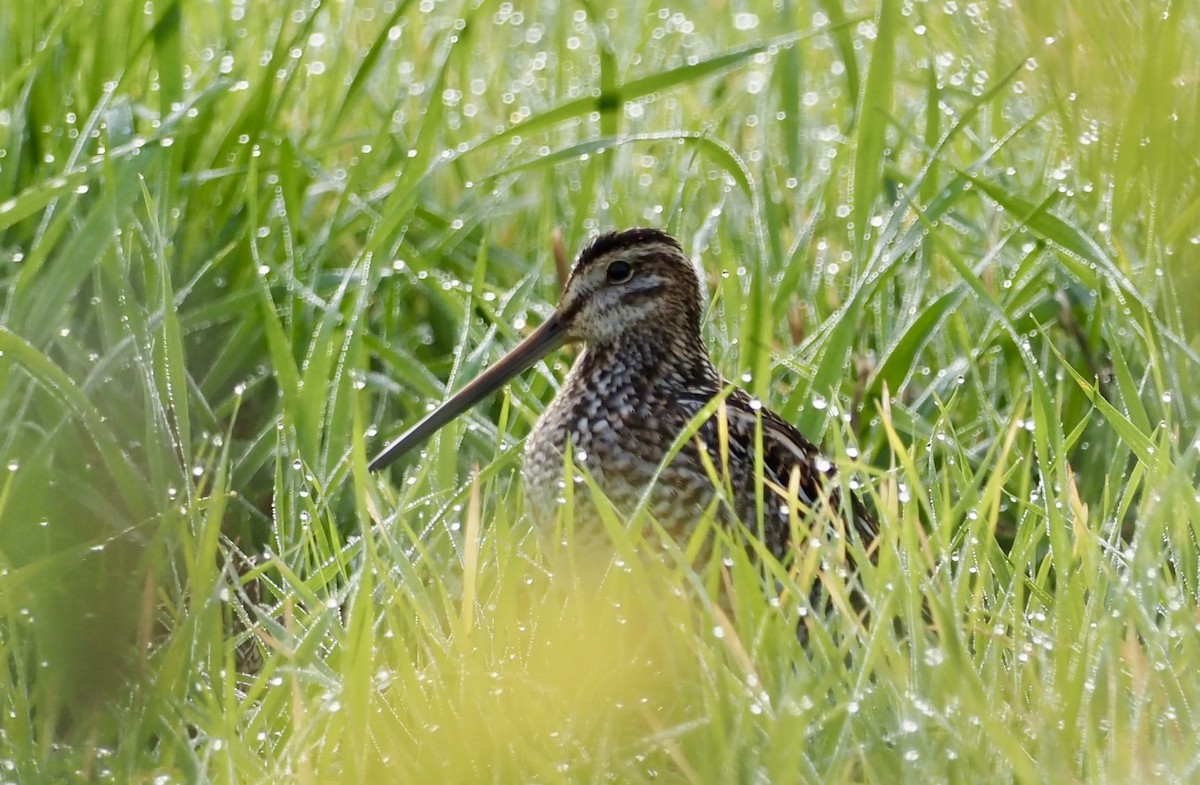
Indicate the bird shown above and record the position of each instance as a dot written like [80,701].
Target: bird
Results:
[643,381]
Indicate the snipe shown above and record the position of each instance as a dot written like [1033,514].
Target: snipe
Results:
[634,301]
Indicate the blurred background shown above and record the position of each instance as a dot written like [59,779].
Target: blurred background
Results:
[243,242]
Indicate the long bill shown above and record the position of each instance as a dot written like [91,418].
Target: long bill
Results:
[537,345]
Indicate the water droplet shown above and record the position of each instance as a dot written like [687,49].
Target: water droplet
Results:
[745,21]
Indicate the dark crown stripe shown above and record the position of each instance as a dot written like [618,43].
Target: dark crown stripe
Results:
[630,238]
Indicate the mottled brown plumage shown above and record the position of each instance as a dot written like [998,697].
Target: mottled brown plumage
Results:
[634,302]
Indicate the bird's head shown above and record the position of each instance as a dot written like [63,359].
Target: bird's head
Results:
[631,284]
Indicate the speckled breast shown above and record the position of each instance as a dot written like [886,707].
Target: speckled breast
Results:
[618,435]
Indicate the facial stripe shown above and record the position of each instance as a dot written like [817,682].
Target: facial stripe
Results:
[572,310]
[643,294]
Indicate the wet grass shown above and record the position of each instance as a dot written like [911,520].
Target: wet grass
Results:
[242,244]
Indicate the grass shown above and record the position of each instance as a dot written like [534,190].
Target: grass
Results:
[241,244]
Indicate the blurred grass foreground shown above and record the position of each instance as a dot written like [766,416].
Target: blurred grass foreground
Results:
[243,242]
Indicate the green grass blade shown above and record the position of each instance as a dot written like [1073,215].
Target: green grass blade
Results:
[874,110]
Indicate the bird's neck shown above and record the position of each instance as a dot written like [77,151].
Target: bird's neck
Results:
[648,357]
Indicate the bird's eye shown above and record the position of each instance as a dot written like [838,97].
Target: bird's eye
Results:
[619,272]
